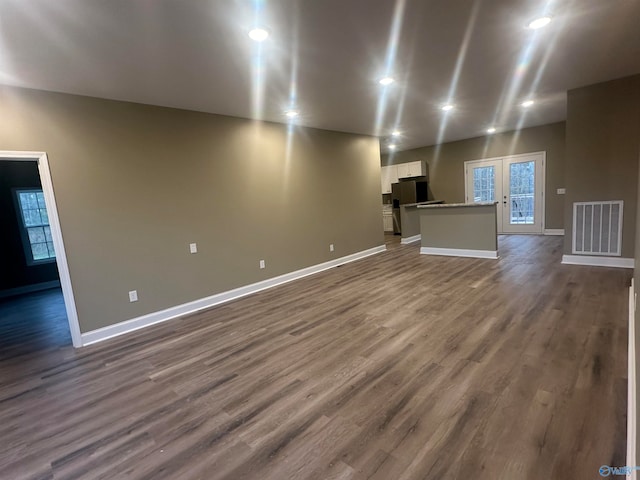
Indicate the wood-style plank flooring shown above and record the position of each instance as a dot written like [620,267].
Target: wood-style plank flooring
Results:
[398,366]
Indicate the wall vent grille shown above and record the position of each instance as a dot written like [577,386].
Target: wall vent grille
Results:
[597,228]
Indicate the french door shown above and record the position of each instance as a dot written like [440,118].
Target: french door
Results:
[517,183]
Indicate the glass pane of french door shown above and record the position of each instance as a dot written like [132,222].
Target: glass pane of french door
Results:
[484,184]
[522,193]
[522,200]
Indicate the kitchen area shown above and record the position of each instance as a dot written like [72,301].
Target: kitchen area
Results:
[405,184]
[410,211]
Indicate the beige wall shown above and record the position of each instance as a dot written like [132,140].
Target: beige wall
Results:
[603,140]
[636,317]
[446,163]
[136,184]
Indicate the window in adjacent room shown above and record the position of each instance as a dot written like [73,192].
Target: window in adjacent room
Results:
[34,226]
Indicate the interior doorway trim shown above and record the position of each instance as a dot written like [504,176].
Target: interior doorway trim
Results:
[56,233]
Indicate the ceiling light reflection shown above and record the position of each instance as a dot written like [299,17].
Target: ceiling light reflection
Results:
[258,63]
[390,58]
[539,22]
[527,103]
[259,34]
[460,61]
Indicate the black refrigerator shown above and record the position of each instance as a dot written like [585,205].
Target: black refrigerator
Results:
[404,192]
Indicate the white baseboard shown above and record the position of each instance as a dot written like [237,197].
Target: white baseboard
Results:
[631,385]
[127,326]
[407,240]
[597,261]
[554,231]
[459,252]
[29,288]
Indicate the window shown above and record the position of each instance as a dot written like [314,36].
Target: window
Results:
[34,226]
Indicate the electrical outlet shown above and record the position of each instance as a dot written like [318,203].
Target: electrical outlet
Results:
[331,247]
[193,248]
[262,265]
[133,296]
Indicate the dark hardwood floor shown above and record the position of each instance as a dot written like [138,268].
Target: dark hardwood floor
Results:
[398,366]
[33,323]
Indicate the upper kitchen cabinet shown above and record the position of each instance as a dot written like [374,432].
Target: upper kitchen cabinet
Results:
[388,175]
[412,169]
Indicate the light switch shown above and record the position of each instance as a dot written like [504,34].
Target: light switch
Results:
[561,191]
[262,265]
[133,296]
[193,248]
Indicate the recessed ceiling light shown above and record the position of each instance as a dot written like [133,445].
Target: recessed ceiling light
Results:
[392,146]
[259,34]
[539,22]
[527,103]
[292,113]
[491,130]
[386,81]
[395,133]
[447,107]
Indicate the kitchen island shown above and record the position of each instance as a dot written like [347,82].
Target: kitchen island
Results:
[410,221]
[459,229]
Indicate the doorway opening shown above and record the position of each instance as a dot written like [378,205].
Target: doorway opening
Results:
[516,183]
[41,233]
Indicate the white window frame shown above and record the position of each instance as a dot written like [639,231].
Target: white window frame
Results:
[24,229]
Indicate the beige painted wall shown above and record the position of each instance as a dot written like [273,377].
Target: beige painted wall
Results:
[446,163]
[636,317]
[603,140]
[136,184]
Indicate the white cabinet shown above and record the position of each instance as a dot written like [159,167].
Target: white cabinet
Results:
[388,175]
[392,173]
[387,222]
[411,169]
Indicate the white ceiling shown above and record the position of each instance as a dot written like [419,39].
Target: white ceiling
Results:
[195,54]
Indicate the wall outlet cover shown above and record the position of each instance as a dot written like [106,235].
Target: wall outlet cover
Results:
[262,264]
[331,247]
[561,191]
[133,296]
[193,248]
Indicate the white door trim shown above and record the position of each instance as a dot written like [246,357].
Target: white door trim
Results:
[631,384]
[543,153]
[56,233]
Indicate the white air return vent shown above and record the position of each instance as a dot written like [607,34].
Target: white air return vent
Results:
[597,228]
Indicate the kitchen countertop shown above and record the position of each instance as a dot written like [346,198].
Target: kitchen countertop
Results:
[449,205]
[430,202]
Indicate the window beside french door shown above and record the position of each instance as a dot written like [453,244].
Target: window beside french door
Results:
[516,183]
